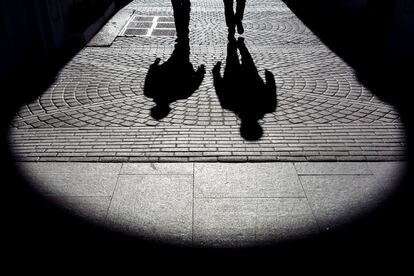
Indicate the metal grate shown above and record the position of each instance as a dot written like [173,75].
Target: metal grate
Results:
[163,32]
[165,26]
[136,32]
[150,26]
[137,25]
[143,18]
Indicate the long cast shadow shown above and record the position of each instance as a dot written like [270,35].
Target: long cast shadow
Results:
[242,90]
[173,80]
[176,78]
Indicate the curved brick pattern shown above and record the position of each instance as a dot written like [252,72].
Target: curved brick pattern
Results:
[266,22]
[308,92]
[100,92]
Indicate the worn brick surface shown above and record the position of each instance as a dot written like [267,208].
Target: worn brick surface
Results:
[96,110]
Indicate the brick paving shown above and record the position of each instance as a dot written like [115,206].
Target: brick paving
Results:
[96,110]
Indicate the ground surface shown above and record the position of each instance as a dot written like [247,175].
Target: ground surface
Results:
[96,110]
[217,204]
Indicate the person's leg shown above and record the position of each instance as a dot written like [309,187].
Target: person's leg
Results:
[186,10]
[229,13]
[241,4]
[176,4]
[181,10]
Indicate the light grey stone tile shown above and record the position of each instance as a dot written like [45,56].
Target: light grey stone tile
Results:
[387,169]
[224,222]
[154,206]
[157,168]
[336,199]
[332,168]
[74,184]
[388,174]
[92,208]
[31,168]
[280,219]
[246,180]
[235,222]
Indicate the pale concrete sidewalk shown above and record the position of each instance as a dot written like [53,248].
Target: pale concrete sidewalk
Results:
[217,204]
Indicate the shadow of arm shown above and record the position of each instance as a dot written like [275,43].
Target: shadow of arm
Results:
[270,88]
[217,79]
[150,79]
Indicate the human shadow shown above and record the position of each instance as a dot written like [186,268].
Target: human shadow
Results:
[173,80]
[176,78]
[242,90]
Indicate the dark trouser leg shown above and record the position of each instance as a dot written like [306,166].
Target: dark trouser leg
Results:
[241,4]
[182,10]
[229,13]
[186,9]
[176,4]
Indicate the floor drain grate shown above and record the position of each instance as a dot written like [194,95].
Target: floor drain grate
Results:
[143,25]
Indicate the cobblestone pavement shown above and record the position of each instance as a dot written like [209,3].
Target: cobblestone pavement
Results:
[96,110]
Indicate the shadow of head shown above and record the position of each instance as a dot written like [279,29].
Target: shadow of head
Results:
[160,111]
[250,129]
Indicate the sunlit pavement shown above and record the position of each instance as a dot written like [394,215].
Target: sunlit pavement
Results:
[96,113]
[217,204]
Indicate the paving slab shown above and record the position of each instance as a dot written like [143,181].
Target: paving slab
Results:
[387,169]
[155,206]
[331,168]
[246,180]
[234,222]
[284,219]
[74,184]
[388,174]
[91,208]
[69,168]
[216,204]
[158,168]
[336,199]
[228,222]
